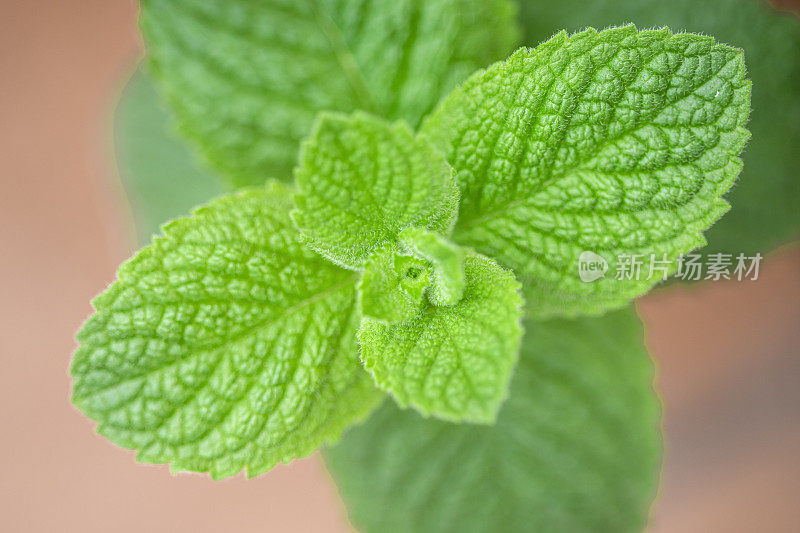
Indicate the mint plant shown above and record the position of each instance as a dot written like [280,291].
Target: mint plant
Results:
[418,242]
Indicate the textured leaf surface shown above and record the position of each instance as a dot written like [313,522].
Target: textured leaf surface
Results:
[620,142]
[225,344]
[247,77]
[160,174]
[575,449]
[767,194]
[392,287]
[452,362]
[363,180]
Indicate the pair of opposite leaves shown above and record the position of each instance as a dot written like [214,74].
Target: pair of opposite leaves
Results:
[229,344]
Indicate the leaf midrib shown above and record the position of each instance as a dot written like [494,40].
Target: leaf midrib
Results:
[345,58]
[230,341]
[552,178]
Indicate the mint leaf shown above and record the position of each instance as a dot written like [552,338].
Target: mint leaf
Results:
[446,262]
[617,143]
[392,287]
[224,344]
[767,194]
[159,173]
[451,362]
[576,446]
[246,77]
[362,181]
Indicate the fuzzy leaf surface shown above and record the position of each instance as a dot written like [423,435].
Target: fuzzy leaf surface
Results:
[446,262]
[247,77]
[362,181]
[392,286]
[576,447]
[452,362]
[619,143]
[225,344]
[766,196]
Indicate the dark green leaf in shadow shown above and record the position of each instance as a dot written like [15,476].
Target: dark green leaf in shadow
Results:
[576,447]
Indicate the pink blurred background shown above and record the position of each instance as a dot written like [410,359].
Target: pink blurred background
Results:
[729,371]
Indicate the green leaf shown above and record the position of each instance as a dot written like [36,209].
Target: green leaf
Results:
[225,344]
[446,262]
[451,362]
[621,142]
[392,287]
[159,173]
[767,194]
[576,446]
[362,181]
[247,77]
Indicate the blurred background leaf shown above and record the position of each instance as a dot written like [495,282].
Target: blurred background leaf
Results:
[766,198]
[246,78]
[576,446]
[161,175]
